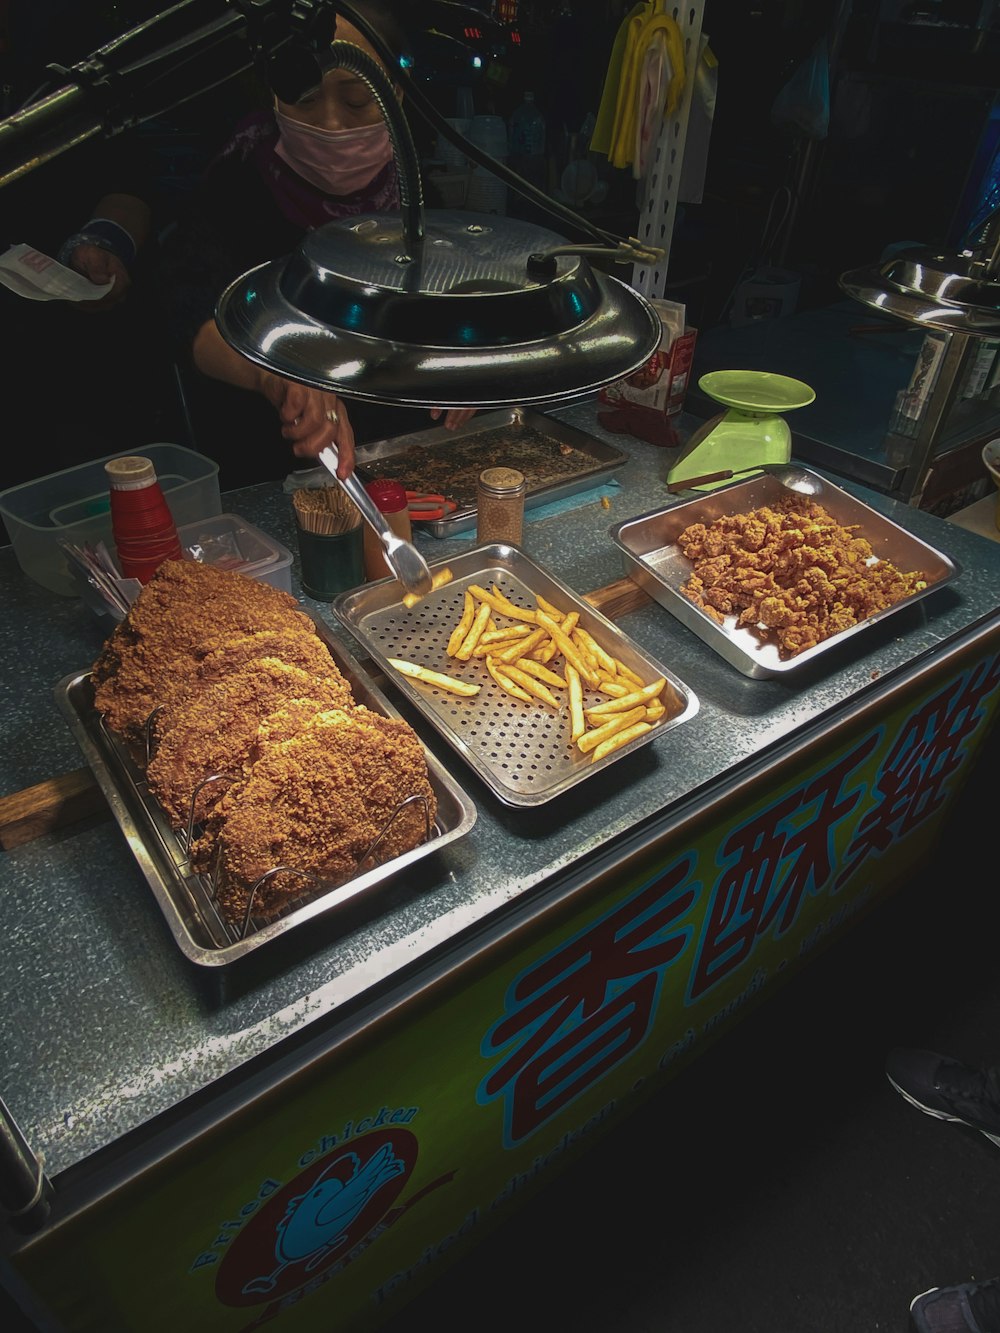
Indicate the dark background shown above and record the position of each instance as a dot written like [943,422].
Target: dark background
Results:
[912,135]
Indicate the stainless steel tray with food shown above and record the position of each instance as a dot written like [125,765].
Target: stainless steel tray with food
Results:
[523,748]
[187,899]
[557,460]
[653,560]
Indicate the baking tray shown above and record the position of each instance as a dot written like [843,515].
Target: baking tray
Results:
[186,899]
[653,561]
[520,750]
[448,462]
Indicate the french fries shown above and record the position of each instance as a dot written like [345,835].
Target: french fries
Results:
[533,686]
[578,723]
[411,669]
[464,625]
[438,580]
[472,638]
[541,672]
[505,682]
[516,644]
[523,647]
[568,649]
[644,696]
[510,632]
[603,660]
[499,602]
[619,739]
[590,740]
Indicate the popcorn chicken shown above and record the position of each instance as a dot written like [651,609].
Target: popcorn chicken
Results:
[789,573]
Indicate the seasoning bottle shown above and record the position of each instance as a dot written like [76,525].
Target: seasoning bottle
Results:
[500,506]
[390,498]
[141,522]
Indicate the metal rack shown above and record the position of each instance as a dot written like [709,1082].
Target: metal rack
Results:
[659,208]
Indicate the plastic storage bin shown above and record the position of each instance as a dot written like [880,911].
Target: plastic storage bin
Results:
[74,505]
[231,542]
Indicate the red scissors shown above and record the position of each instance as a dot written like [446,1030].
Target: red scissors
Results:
[427,508]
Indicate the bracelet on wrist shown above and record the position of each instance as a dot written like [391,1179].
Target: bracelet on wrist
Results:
[106,235]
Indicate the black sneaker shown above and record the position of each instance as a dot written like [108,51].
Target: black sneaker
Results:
[973,1307]
[947,1089]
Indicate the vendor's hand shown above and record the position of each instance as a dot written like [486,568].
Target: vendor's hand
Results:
[311,419]
[453,416]
[99,267]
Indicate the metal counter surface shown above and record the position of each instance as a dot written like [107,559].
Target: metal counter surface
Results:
[105,1023]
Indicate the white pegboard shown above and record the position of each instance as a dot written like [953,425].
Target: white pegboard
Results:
[659,208]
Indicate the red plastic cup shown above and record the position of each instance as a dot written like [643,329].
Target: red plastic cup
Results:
[144,530]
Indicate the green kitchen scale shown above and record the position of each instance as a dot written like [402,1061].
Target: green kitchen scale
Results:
[748,434]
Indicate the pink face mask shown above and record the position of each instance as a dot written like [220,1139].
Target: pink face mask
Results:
[337,161]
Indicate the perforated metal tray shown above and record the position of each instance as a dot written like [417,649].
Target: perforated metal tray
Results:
[185,898]
[652,559]
[522,751]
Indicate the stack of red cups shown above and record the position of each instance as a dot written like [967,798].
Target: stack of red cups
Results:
[144,530]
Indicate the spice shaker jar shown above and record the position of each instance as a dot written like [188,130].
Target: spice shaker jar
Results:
[390,497]
[141,522]
[500,506]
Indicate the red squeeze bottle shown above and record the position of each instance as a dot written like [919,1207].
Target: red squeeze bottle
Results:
[144,531]
[390,497]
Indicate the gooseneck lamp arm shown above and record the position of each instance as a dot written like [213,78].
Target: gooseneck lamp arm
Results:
[345,55]
[623,251]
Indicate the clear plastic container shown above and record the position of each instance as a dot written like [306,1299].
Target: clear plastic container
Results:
[74,505]
[231,542]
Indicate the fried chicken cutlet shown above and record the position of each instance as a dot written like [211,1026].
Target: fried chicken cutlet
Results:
[220,657]
[236,679]
[316,802]
[153,654]
[214,731]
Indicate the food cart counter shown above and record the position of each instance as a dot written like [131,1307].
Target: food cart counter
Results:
[313,1132]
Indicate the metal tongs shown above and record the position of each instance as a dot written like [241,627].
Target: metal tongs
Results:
[402,557]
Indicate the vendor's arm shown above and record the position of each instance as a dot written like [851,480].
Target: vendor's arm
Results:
[310,418]
[453,416]
[105,247]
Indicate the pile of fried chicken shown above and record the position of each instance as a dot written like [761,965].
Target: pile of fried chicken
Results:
[255,742]
[789,573]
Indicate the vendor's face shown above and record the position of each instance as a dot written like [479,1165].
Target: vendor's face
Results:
[343,101]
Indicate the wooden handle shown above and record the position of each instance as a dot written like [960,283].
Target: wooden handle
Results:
[686,482]
[47,806]
[618,599]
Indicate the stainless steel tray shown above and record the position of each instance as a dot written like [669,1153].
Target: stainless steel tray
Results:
[520,750]
[597,460]
[653,561]
[186,899]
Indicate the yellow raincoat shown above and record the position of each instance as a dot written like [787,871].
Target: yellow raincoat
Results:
[646,33]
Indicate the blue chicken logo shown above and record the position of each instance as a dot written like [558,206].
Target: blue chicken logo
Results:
[339,1205]
[317,1223]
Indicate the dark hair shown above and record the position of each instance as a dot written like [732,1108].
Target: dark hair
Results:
[294,69]
[382,17]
